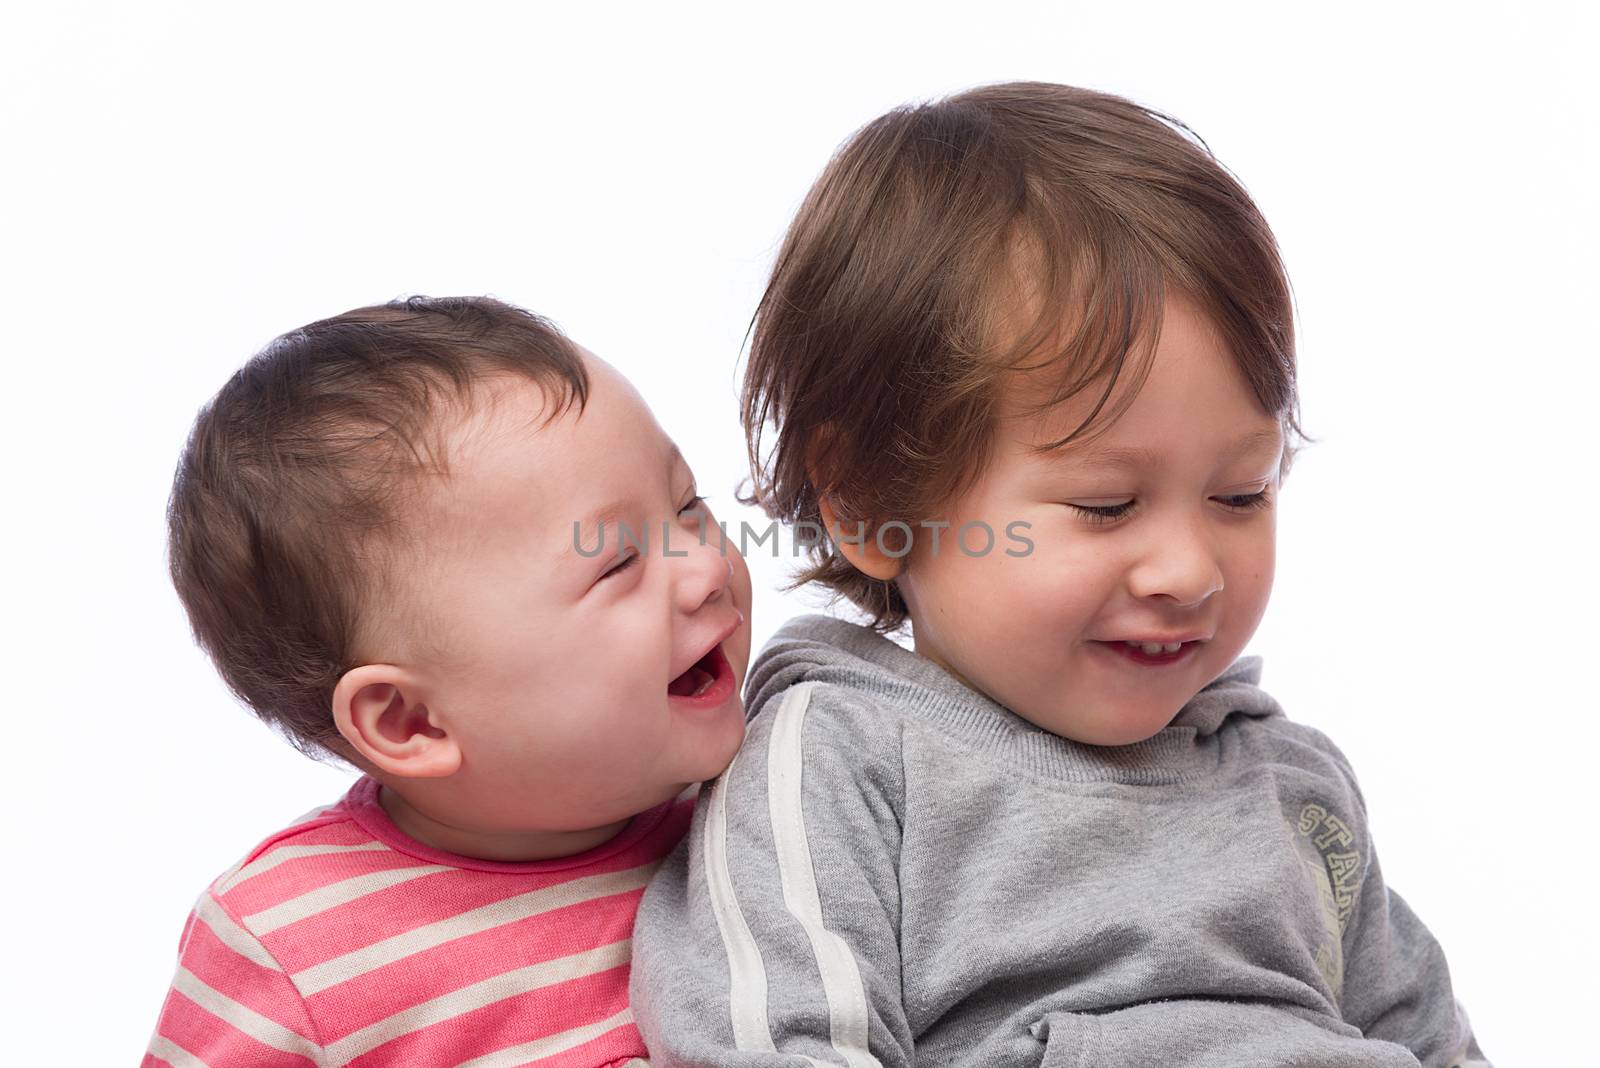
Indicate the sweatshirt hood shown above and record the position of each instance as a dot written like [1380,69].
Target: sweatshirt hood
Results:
[821,648]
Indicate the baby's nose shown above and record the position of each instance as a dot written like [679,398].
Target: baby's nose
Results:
[707,574]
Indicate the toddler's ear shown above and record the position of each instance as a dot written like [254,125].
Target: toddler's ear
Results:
[379,711]
[858,544]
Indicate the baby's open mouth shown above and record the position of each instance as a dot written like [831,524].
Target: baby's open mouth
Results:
[702,675]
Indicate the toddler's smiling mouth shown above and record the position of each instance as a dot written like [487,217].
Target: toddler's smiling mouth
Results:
[1152,653]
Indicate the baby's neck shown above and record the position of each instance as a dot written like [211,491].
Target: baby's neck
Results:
[505,846]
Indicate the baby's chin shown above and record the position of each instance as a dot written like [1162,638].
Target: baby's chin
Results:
[719,756]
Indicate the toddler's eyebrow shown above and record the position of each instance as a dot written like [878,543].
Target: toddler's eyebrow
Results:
[1138,456]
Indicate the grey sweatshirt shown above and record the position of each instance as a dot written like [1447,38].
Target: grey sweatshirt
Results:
[897,870]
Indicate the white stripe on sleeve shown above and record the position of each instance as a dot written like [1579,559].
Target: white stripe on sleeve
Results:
[283,854]
[841,977]
[333,895]
[747,975]
[163,1048]
[477,995]
[243,1018]
[358,962]
[231,934]
[550,1045]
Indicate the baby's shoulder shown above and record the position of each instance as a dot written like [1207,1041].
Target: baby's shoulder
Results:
[316,848]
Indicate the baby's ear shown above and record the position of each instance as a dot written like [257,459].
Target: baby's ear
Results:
[379,710]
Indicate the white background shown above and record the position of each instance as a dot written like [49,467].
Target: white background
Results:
[182,183]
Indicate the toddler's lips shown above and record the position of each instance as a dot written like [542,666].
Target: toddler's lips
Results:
[707,683]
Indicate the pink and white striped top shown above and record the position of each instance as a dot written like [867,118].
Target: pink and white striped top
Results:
[341,941]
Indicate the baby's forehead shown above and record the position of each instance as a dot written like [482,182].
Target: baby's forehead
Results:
[513,453]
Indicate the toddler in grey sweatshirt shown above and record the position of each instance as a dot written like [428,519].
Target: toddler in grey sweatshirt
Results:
[898,870]
[1028,359]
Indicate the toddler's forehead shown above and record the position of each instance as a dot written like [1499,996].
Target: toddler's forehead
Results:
[1033,406]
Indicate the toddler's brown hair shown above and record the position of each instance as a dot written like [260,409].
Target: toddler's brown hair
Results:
[1017,227]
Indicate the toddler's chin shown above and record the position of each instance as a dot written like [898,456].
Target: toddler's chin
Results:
[1125,727]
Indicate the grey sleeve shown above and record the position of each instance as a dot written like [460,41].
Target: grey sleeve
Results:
[1397,985]
[771,936]
[1396,982]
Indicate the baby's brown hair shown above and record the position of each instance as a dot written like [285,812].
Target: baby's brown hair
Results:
[1015,227]
[287,514]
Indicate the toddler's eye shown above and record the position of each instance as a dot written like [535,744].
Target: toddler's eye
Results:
[1246,502]
[694,503]
[1103,513]
[620,566]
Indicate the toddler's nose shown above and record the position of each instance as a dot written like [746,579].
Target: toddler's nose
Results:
[1185,568]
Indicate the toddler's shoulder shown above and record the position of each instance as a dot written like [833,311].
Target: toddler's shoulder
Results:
[837,678]
[853,723]
[1283,740]
[1259,728]
[824,748]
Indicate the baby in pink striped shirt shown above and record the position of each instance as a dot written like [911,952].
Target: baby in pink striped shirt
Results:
[438,540]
